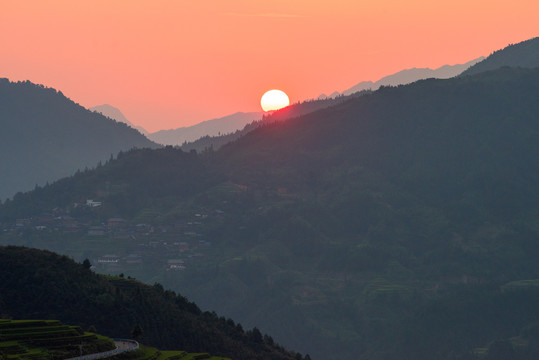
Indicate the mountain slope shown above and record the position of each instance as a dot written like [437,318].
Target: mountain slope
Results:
[401,224]
[40,284]
[433,181]
[294,110]
[46,136]
[214,127]
[115,114]
[524,54]
[408,76]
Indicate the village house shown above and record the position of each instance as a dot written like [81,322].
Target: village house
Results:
[182,246]
[91,203]
[108,259]
[116,222]
[68,223]
[97,231]
[45,220]
[22,222]
[175,264]
[143,228]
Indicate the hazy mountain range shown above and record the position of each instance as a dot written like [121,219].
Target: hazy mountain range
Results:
[212,140]
[409,76]
[46,136]
[399,224]
[298,109]
[176,137]
[215,132]
[214,127]
[221,130]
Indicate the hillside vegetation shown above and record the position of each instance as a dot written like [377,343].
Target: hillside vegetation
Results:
[50,340]
[45,136]
[47,339]
[400,224]
[215,127]
[524,54]
[39,284]
[211,143]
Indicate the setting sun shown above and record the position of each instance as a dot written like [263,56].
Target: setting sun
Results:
[274,100]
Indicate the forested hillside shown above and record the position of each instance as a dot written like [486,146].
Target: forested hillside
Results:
[524,54]
[212,143]
[38,284]
[214,128]
[45,136]
[400,224]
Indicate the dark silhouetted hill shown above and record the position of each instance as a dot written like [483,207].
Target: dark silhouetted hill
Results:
[40,284]
[524,54]
[215,142]
[215,127]
[45,136]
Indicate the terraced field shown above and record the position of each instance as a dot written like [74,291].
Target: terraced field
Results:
[47,339]
[50,339]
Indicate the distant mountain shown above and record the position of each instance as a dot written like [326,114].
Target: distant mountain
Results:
[214,127]
[409,76]
[45,136]
[524,54]
[115,114]
[215,142]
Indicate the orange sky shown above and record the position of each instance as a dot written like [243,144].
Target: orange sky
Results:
[174,63]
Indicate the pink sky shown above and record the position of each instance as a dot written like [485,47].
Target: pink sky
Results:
[174,63]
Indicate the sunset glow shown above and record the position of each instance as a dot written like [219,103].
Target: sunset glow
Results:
[274,100]
[168,64]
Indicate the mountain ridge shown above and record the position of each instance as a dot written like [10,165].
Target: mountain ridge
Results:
[46,136]
[115,114]
[407,76]
[214,127]
[523,54]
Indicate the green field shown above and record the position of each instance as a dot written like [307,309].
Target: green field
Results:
[47,339]
[50,339]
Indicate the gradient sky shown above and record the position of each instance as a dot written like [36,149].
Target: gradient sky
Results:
[167,64]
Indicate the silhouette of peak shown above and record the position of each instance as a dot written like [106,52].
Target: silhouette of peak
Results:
[524,54]
[115,114]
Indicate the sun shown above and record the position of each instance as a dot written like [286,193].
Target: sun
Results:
[274,100]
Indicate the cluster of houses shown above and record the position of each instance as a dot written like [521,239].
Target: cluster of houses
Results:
[68,224]
[58,220]
[172,245]
[172,256]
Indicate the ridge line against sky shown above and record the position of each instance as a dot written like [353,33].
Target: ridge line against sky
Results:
[169,64]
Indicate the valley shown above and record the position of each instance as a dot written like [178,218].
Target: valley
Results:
[393,224]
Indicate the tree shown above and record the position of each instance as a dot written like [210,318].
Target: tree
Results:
[137,332]
[256,336]
[86,263]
